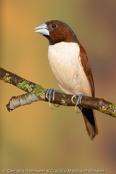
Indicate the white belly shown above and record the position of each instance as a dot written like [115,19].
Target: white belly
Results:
[64,59]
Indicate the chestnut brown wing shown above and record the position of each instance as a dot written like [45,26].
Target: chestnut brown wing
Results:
[87,68]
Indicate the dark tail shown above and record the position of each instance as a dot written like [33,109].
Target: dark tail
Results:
[90,122]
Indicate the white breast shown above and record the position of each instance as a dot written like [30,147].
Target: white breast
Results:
[64,59]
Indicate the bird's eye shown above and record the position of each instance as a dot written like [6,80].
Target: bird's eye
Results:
[53,25]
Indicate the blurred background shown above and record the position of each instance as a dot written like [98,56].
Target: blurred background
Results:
[34,136]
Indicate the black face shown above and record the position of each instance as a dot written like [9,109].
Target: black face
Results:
[60,31]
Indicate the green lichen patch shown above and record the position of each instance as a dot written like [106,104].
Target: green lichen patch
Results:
[38,87]
[44,91]
[114,114]
[63,95]
[110,111]
[37,90]
[6,78]
[63,102]
[103,109]
[25,86]
[112,106]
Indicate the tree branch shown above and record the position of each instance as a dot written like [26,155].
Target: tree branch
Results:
[36,92]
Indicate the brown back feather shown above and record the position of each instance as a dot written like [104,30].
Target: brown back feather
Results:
[87,68]
[88,114]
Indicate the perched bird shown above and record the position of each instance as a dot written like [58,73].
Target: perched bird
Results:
[69,63]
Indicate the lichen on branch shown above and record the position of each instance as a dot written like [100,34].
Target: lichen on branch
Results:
[36,93]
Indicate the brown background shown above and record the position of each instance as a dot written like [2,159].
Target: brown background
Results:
[34,136]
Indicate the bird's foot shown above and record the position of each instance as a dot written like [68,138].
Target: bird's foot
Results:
[80,96]
[50,94]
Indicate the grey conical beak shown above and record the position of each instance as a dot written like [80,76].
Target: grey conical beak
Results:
[42,29]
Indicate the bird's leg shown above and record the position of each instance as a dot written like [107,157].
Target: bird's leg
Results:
[80,96]
[50,94]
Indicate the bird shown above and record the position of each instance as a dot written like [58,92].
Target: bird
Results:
[69,63]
